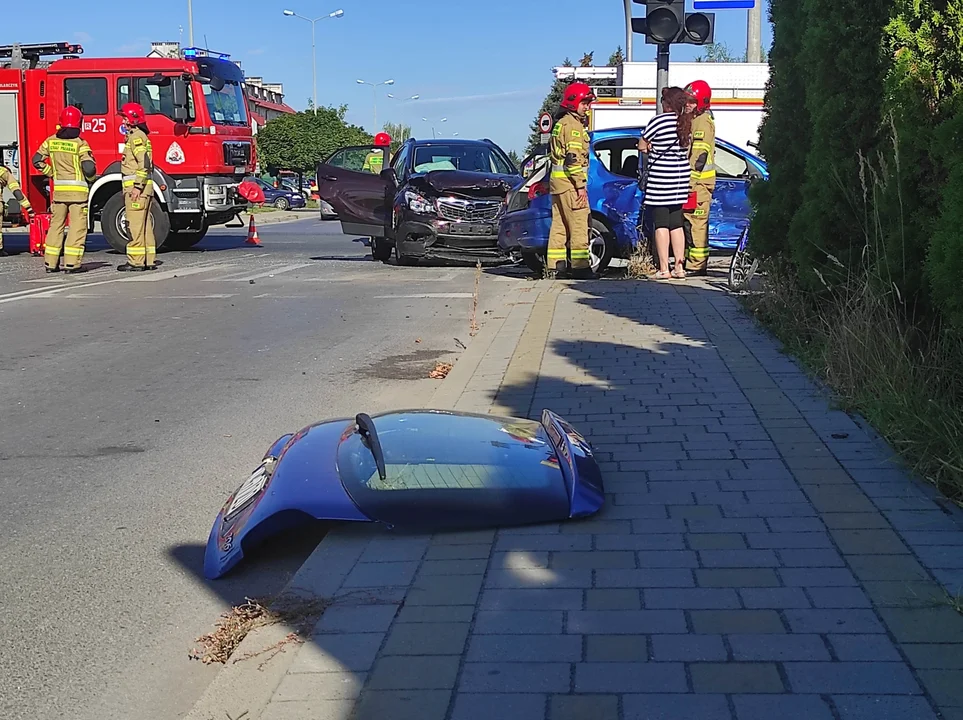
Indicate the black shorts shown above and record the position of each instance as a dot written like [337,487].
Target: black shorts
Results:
[667,217]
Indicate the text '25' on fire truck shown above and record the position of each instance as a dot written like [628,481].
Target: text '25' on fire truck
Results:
[200,133]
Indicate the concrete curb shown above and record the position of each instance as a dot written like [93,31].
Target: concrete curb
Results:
[248,686]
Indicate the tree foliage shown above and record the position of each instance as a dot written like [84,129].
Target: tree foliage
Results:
[551,103]
[399,133]
[299,141]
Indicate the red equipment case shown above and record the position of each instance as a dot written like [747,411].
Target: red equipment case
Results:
[39,225]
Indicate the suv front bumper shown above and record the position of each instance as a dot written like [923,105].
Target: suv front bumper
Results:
[436,239]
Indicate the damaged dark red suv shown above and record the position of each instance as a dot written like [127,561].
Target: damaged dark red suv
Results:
[438,200]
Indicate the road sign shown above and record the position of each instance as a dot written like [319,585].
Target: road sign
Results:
[545,123]
[724,4]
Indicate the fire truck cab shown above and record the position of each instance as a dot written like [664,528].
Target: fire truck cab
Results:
[199,131]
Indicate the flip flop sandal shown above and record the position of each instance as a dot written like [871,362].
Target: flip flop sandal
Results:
[662,275]
[679,274]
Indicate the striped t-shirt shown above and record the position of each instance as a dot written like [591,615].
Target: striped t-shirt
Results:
[669,171]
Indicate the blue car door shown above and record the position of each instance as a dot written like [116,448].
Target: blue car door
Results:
[614,185]
[730,201]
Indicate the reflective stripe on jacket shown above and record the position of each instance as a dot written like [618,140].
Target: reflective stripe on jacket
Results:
[70,182]
[703,143]
[137,164]
[569,149]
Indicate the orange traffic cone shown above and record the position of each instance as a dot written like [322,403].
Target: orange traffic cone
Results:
[252,238]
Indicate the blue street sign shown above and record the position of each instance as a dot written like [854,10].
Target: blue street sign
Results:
[724,4]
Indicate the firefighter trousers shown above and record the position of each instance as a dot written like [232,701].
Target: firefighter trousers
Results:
[569,236]
[73,249]
[140,230]
[697,231]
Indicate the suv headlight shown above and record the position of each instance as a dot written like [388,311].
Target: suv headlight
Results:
[419,204]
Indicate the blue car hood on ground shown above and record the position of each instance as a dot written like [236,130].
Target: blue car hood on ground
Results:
[443,470]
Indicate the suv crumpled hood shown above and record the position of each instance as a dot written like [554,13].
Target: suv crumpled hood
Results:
[469,183]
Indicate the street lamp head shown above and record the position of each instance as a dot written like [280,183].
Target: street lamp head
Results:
[389,82]
[391,96]
[415,97]
[444,120]
[289,13]
[424,119]
[361,82]
[337,13]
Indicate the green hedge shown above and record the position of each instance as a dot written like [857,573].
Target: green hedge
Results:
[864,138]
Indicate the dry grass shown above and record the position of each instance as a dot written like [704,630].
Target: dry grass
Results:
[905,380]
[641,263]
[473,321]
[300,614]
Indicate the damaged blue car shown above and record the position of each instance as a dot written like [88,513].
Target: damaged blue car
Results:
[420,470]
[615,199]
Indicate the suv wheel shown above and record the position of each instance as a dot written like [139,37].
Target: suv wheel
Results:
[380,249]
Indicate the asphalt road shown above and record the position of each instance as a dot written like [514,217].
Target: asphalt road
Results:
[133,406]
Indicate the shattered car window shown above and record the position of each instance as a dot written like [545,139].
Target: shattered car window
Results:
[471,157]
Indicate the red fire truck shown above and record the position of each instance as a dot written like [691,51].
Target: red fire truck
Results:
[197,112]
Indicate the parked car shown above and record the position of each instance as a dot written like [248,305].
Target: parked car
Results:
[327,212]
[282,198]
[615,199]
[434,200]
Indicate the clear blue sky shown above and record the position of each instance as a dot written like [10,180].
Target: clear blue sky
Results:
[485,65]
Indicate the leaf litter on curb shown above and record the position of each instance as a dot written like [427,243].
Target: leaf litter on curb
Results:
[301,614]
[441,371]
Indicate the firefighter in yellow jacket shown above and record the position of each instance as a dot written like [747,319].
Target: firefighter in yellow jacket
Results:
[72,167]
[9,180]
[136,169]
[569,150]
[702,159]
[374,162]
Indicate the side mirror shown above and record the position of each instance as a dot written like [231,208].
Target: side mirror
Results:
[179,93]
[217,84]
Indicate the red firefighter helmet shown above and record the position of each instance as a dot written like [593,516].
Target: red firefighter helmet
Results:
[71,117]
[701,92]
[382,139]
[574,95]
[133,113]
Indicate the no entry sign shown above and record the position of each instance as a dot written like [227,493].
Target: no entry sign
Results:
[545,123]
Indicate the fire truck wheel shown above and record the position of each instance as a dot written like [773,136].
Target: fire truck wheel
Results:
[184,239]
[113,223]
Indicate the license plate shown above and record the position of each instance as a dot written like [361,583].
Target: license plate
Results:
[470,229]
[248,491]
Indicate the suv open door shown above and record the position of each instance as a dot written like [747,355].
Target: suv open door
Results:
[350,180]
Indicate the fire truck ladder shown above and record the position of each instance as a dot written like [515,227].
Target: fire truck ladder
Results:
[27,57]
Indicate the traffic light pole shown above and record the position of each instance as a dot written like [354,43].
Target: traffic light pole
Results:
[662,75]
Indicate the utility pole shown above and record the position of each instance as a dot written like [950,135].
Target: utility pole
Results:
[754,34]
[628,30]
[661,74]
[190,23]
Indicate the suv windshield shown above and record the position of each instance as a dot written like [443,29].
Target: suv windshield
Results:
[472,157]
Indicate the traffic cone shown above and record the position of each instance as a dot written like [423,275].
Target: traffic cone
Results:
[252,238]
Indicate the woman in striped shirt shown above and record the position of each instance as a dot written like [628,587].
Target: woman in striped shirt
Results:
[666,140]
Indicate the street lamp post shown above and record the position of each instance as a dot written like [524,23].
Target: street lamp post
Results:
[374,95]
[314,55]
[443,120]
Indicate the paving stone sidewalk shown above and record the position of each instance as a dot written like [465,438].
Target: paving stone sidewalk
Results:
[759,556]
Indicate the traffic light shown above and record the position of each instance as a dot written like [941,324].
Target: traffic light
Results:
[667,23]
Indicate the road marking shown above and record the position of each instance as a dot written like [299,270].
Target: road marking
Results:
[425,296]
[213,296]
[263,274]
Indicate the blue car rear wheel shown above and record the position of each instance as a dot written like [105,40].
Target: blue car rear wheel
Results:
[601,250]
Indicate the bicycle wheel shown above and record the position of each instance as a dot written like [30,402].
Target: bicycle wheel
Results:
[743,266]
